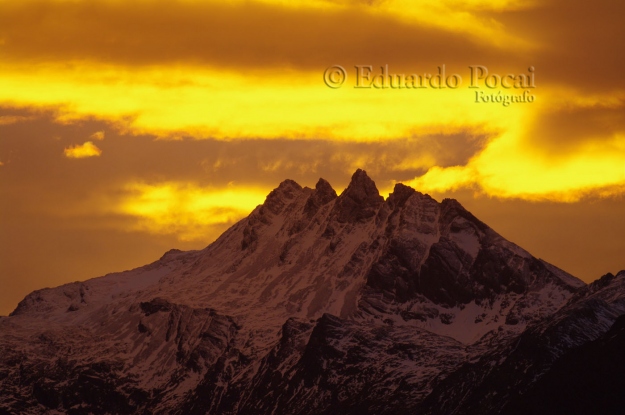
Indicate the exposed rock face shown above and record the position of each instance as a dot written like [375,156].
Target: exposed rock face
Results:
[313,304]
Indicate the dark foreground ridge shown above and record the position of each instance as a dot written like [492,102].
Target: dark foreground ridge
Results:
[319,303]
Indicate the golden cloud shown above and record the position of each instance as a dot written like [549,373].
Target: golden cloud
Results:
[231,105]
[87,149]
[98,135]
[237,33]
[508,168]
[186,210]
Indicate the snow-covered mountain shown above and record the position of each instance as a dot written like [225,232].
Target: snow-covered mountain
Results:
[313,304]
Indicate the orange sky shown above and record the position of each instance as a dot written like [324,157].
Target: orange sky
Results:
[128,128]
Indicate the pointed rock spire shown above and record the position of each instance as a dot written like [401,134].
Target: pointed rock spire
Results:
[324,193]
[452,209]
[277,199]
[400,194]
[360,201]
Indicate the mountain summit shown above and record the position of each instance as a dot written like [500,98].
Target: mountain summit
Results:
[316,303]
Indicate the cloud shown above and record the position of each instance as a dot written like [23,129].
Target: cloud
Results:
[228,105]
[566,149]
[185,209]
[98,135]
[563,130]
[509,168]
[13,119]
[576,44]
[250,34]
[88,149]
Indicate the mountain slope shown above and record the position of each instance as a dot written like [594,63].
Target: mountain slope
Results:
[505,377]
[315,303]
[588,379]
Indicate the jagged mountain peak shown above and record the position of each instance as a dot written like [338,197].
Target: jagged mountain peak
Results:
[360,200]
[362,188]
[322,195]
[281,195]
[400,194]
[325,190]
